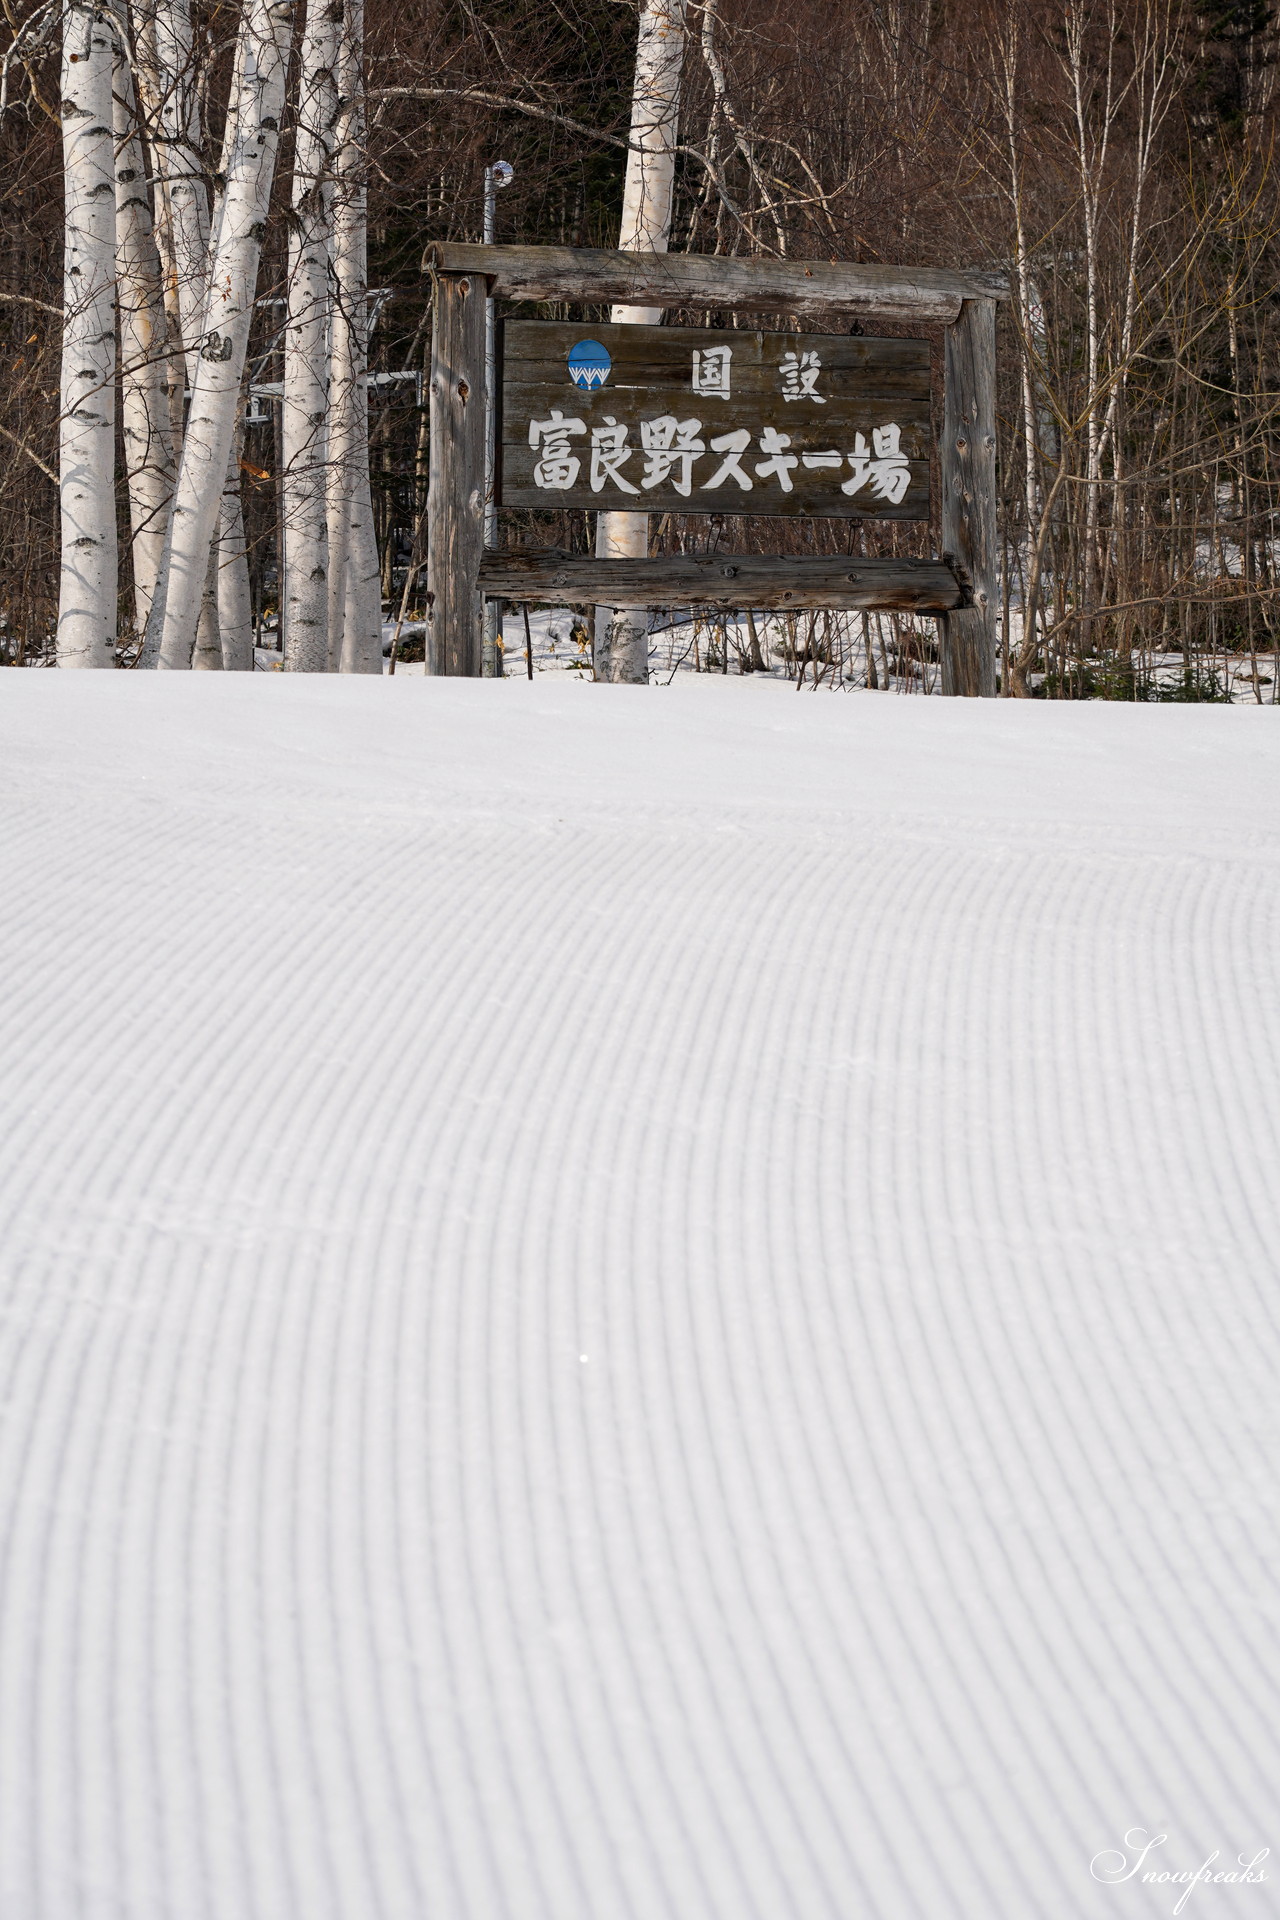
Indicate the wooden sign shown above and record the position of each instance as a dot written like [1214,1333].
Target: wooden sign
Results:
[713,420]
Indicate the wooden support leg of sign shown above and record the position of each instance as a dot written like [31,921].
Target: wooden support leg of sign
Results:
[967,637]
[455,489]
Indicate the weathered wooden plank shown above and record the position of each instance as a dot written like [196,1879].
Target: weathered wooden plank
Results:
[537,347]
[713,366]
[927,294]
[548,576]
[813,415]
[968,461]
[455,491]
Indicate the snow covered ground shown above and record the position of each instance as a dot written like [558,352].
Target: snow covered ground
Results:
[630,1303]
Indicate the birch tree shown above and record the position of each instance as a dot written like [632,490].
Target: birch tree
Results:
[206,655]
[234,600]
[1096,97]
[172,97]
[146,374]
[305,401]
[622,635]
[355,586]
[86,434]
[263,53]
[150,93]
[171,85]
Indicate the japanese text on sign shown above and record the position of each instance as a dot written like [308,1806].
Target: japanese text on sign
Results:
[669,449]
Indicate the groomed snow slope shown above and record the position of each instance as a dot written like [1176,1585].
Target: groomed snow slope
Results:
[629,1304]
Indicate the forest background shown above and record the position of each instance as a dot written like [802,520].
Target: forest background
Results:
[1117,159]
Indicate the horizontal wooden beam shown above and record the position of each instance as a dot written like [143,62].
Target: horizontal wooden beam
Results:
[721,580]
[923,294]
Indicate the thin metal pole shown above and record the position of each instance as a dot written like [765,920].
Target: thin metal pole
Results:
[495,176]
[490,374]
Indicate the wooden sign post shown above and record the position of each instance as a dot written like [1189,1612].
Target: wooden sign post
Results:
[711,420]
[455,481]
[967,634]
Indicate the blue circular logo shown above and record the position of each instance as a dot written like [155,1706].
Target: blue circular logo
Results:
[589,364]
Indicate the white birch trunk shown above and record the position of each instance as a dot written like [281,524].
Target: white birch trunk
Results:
[206,655]
[362,620]
[355,586]
[170,69]
[86,431]
[151,95]
[170,86]
[305,399]
[145,370]
[622,635]
[233,597]
[211,423]
[235,601]
[1095,111]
